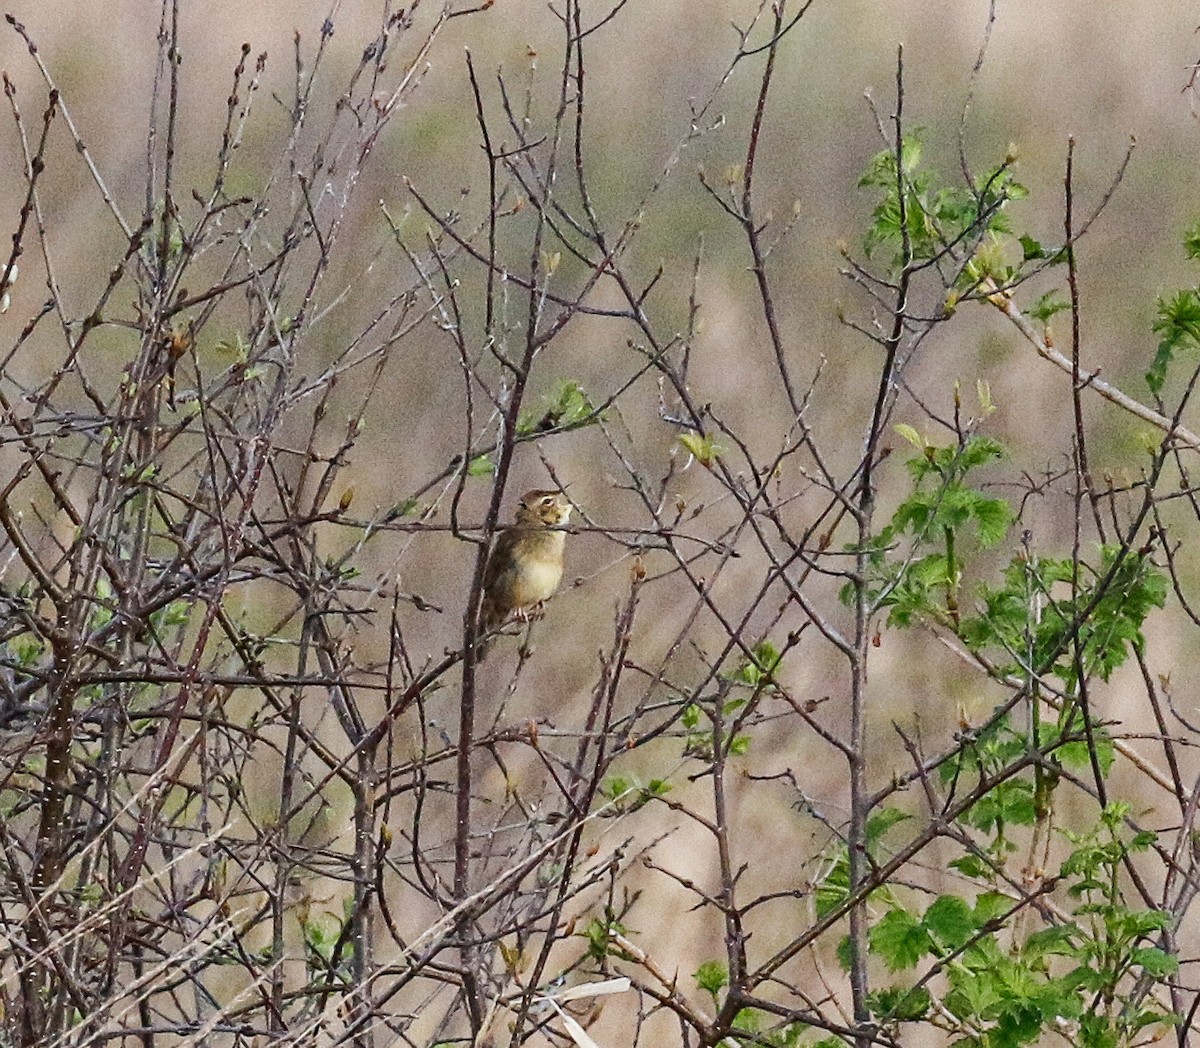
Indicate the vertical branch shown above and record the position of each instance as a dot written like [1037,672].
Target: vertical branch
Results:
[735,935]
[511,409]
[1083,473]
[864,512]
[489,302]
[750,224]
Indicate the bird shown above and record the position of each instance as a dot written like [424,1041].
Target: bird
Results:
[525,564]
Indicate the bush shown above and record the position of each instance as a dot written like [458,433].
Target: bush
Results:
[254,789]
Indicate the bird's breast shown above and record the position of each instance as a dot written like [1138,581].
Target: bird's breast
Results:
[537,580]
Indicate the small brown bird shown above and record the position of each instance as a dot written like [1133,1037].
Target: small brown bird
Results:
[526,563]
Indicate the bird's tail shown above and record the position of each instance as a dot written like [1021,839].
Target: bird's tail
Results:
[490,620]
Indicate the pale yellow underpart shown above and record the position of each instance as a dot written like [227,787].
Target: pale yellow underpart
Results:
[539,576]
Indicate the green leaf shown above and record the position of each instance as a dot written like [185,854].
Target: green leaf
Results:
[1095,1032]
[702,448]
[882,821]
[1046,306]
[1178,322]
[1191,241]
[616,786]
[1031,249]
[748,1020]
[1009,802]
[911,435]
[767,656]
[481,466]
[568,407]
[979,451]
[1017,1025]
[599,935]
[1150,1017]
[712,977]
[990,905]
[1078,754]
[845,953]
[993,518]
[950,921]
[971,866]
[898,1004]
[1055,940]
[1155,962]
[1143,840]
[900,939]
[766,659]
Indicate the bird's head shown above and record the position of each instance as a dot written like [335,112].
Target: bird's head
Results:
[546,509]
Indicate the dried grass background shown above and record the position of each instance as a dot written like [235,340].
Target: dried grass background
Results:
[1099,72]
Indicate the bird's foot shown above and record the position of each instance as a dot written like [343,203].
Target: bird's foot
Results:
[531,613]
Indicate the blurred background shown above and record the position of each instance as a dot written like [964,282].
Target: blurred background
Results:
[1104,73]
